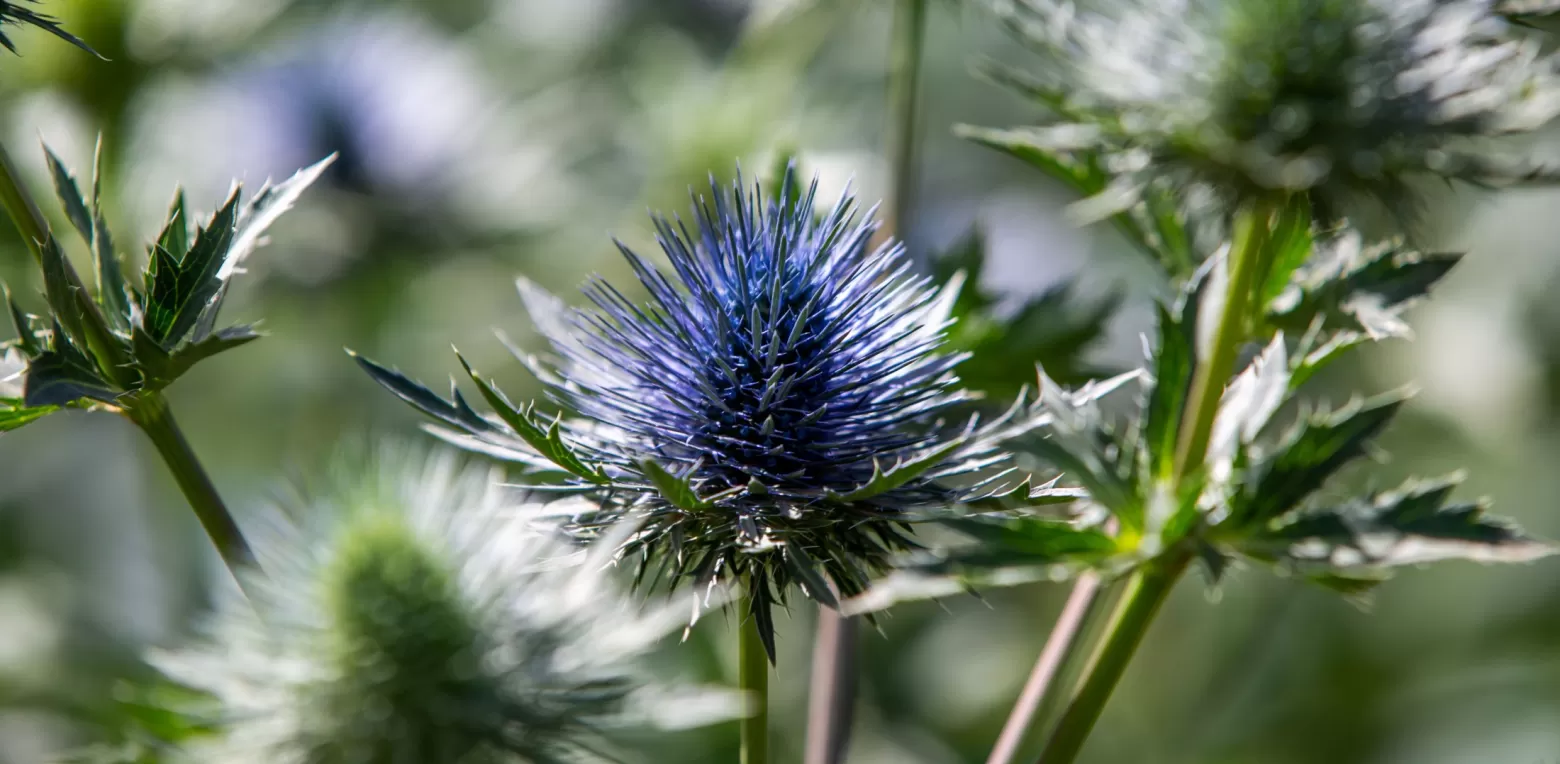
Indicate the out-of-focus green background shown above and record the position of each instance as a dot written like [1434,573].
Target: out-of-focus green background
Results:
[484,139]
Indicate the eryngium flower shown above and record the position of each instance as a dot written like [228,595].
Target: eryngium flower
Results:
[12,12]
[417,614]
[772,415]
[1341,100]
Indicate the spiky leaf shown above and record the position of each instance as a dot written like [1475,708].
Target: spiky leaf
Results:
[179,289]
[62,375]
[902,472]
[1352,287]
[548,442]
[1414,524]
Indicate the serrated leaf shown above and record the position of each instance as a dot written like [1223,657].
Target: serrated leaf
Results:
[1289,246]
[1351,287]
[175,235]
[455,413]
[677,490]
[14,413]
[1247,405]
[112,290]
[161,368]
[1312,453]
[902,472]
[548,443]
[10,11]
[268,205]
[26,341]
[59,376]
[174,305]
[62,293]
[1414,524]
[70,196]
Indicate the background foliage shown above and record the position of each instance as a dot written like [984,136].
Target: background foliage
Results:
[484,139]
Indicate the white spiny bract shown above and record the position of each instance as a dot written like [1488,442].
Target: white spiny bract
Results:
[416,613]
[1339,100]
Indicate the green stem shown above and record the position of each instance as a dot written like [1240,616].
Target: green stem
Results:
[753,678]
[905,89]
[150,412]
[1149,586]
[1146,592]
[1247,252]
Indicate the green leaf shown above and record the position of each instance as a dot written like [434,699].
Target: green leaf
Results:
[14,413]
[26,340]
[1312,453]
[1414,524]
[70,196]
[1351,287]
[1173,363]
[677,490]
[177,296]
[175,235]
[1035,540]
[267,206]
[902,472]
[1290,245]
[455,412]
[805,570]
[160,368]
[1149,219]
[113,293]
[62,294]
[548,443]
[63,375]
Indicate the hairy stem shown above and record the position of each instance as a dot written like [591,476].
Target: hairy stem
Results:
[904,96]
[753,678]
[150,412]
[1146,592]
[1025,720]
[832,691]
[1247,252]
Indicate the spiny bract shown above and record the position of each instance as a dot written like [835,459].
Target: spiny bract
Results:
[1340,100]
[789,363]
[772,414]
[414,613]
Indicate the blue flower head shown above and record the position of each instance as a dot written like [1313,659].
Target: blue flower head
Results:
[771,414]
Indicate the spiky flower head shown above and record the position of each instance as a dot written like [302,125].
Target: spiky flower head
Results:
[13,12]
[417,613]
[1336,100]
[772,412]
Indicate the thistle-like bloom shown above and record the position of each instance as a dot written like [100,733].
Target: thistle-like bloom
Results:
[772,414]
[1339,100]
[12,12]
[417,614]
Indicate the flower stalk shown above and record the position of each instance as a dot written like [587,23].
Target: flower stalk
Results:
[1148,587]
[150,412]
[753,678]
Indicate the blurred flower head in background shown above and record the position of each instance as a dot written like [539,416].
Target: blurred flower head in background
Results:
[415,612]
[1342,100]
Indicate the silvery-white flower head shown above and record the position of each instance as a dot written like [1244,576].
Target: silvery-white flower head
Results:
[1336,100]
[418,614]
